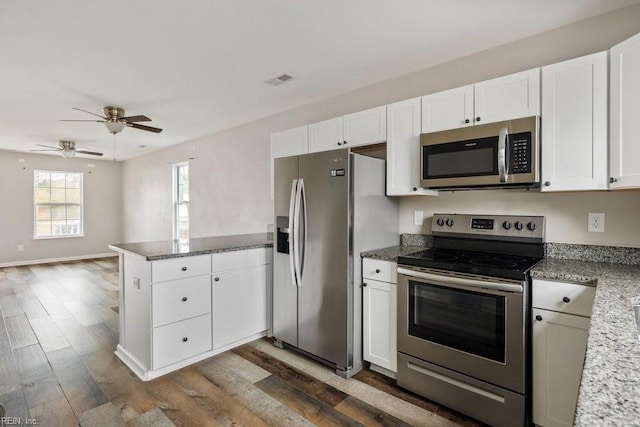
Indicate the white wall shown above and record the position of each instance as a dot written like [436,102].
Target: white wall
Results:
[230,171]
[102,207]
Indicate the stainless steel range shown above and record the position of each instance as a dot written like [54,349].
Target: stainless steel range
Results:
[463,315]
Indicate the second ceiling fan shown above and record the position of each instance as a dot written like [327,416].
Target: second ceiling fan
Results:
[115,120]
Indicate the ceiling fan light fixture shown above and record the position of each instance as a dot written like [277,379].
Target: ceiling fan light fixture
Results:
[114,127]
[67,154]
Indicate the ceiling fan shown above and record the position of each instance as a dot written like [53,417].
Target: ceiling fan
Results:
[115,120]
[68,149]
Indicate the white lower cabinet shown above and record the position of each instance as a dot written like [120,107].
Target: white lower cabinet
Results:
[379,315]
[561,316]
[178,311]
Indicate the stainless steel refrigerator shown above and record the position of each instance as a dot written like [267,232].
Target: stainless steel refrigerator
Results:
[328,208]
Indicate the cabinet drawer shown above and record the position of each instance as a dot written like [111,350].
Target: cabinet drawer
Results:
[376,269]
[178,268]
[181,340]
[563,297]
[240,259]
[180,299]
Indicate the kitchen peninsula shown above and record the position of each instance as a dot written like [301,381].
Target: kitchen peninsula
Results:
[184,301]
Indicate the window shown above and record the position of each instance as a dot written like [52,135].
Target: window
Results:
[181,200]
[57,200]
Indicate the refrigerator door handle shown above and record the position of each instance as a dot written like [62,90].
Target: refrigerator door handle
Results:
[302,240]
[296,237]
[292,231]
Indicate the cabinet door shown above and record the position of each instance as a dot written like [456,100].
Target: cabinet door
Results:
[403,149]
[290,142]
[624,148]
[365,127]
[559,346]
[574,128]
[326,135]
[509,97]
[449,109]
[239,307]
[379,323]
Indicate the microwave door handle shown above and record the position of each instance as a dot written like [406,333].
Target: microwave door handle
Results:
[502,154]
[292,232]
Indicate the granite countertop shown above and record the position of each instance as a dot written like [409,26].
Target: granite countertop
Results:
[392,253]
[165,249]
[610,387]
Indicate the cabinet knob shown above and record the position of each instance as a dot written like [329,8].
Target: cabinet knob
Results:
[339,143]
[547,183]
[612,180]
[184,299]
[467,120]
[216,279]
[364,284]
[538,317]
[377,270]
[185,339]
[184,268]
[566,300]
[344,142]
[415,188]
[478,119]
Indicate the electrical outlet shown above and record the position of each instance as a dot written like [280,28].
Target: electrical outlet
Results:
[596,222]
[418,217]
[20,248]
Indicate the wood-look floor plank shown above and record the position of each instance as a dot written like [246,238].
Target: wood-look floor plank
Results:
[102,416]
[32,363]
[56,413]
[14,404]
[367,414]
[9,378]
[10,306]
[312,409]
[79,337]
[214,399]
[153,418]
[302,381]
[42,391]
[33,308]
[19,331]
[49,335]
[81,390]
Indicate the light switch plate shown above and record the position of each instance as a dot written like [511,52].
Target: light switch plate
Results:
[418,217]
[596,222]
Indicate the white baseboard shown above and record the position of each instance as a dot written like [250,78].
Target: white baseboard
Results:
[48,260]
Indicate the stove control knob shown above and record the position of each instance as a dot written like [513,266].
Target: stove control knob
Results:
[519,225]
[531,226]
[450,222]
[506,225]
[440,222]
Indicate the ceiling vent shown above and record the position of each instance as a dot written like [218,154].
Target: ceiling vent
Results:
[282,78]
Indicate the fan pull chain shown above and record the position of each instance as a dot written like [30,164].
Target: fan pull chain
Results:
[114,147]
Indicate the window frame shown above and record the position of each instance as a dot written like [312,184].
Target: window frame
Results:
[36,205]
[176,203]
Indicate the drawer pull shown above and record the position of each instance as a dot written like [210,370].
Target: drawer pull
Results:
[184,299]
[566,299]
[185,339]
[184,268]
[538,317]
[377,270]
[364,284]
[216,279]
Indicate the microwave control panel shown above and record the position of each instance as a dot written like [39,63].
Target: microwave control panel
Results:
[520,153]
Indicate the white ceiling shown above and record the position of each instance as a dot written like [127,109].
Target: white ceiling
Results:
[199,66]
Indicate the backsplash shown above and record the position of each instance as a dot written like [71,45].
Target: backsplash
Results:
[593,253]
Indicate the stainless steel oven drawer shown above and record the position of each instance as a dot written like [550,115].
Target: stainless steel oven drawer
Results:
[485,402]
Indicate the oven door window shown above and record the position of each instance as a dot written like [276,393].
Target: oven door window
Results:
[477,157]
[472,322]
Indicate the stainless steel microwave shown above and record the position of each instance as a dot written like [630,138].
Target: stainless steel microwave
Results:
[491,155]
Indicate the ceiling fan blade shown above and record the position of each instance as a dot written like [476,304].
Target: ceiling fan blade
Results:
[48,146]
[89,112]
[91,153]
[137,119]
[143,127]
[57,149]
[99,121]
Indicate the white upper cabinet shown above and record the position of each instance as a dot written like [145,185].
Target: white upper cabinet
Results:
[361,128]
[504,98]
[403,146]
[290,142]
[574,124]
[448,109]
[624,149]
[509,97]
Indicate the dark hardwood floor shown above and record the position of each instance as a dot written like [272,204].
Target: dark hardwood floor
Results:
[58,332]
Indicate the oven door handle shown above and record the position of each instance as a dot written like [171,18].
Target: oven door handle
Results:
[438,279]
